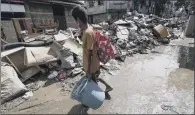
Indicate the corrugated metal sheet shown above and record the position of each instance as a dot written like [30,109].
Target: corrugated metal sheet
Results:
[12,7]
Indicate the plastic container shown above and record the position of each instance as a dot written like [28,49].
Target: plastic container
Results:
[88,93]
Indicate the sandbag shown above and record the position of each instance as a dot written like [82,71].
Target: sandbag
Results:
[11,86]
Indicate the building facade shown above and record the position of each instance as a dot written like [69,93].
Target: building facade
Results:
[10,9]
[58,10]
[100,10]
[36,11]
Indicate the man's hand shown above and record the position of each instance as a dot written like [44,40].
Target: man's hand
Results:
[89,76]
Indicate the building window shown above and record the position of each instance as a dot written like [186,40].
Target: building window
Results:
[100,2]
[91,3]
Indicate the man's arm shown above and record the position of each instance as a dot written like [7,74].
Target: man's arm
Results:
[90,50]
[89,61]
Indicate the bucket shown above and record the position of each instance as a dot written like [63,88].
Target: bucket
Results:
[88,93]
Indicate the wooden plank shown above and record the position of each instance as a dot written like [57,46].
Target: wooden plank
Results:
[29,26]
[25,25]
[3,41]
[16,26]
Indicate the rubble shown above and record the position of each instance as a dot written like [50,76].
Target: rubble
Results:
[53,75]
[67,59]
[61,36]
[73,46]
[27,95]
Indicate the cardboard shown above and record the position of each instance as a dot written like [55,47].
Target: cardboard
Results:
[161,31]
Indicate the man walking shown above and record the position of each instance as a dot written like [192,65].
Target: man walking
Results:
[91,63]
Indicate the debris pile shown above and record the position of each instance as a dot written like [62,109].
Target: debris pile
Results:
[138,33]
[58,55]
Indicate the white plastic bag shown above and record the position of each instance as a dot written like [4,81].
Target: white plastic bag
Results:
[11,86]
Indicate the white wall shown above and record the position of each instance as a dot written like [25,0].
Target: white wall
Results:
[99,9]
[69,19]
[99,18]
[96,9]
[9,31]
[117,5]
[12,7]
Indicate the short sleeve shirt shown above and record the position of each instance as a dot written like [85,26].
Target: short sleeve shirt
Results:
[89,44]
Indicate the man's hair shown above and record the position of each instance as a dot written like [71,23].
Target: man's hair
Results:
[78,12]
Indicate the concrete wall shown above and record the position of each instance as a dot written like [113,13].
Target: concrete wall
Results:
[99,9]
[100,12]
[38,11]
[116,16]
[9,31]
[45,11]
[117,5]
[96,9]
[69,19]
[189,31]
[99,18]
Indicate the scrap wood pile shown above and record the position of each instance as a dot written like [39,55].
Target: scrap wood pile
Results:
[59,56]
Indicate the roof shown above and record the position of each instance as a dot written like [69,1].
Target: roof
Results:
[13,1]
[73,2]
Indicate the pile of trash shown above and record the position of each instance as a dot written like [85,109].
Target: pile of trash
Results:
[55,56]
[138,33]
[58,55]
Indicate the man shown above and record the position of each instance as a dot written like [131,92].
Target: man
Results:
[91,63]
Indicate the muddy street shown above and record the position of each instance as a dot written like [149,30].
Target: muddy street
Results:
[159,82]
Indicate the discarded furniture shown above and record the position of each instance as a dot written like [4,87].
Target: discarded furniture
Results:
[43,24]
[41,55]
[15,57]
[21,24]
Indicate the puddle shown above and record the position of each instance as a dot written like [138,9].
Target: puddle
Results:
[181,78]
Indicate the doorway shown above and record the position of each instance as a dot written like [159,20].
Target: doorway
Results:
[59,16]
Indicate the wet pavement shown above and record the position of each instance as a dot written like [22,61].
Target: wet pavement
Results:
[162,82]
[159,82]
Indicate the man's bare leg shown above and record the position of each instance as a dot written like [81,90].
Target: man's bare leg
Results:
[108,87]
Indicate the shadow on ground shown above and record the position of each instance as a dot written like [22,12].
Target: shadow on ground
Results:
[49,82]
[75,109]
